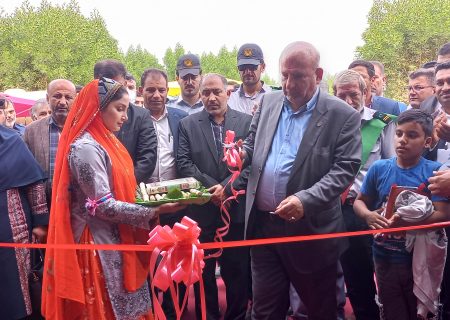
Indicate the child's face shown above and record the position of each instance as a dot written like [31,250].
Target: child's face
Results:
[410,141]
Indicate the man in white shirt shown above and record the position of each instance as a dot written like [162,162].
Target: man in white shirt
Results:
[154,88]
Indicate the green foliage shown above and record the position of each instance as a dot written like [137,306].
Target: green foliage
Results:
[49,42]
[403,34]
[39,44]
[174,193]
[223,63]
[170,60]
[137,60]
[268,80]
[328,81]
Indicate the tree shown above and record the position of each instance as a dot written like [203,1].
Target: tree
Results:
[42,43]
[403,34]
[224,63]
[269,81]
[137,60]
[170,60]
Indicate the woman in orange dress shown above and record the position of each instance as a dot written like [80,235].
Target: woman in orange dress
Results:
[93,195]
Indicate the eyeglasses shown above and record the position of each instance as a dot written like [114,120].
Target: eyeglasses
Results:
[417,88]
[250,67]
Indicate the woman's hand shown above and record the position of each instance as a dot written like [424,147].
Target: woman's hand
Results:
[40,234]
[169,208]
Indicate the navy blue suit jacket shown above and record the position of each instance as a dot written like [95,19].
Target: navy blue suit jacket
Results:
[386,105]
[174,117]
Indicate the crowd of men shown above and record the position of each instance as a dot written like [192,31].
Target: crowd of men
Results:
[305,168]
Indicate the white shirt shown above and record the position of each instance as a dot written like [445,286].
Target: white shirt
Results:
[165,166]
[384,148]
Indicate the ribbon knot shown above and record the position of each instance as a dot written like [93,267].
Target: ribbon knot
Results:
[91,205]
[181,261]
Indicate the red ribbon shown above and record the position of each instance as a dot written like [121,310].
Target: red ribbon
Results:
[181,261]
[231,152]
[226,244]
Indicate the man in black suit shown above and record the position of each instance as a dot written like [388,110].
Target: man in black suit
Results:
[367,71]
[137,133]
[200,155]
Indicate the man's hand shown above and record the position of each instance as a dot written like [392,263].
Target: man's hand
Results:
[290,209]
[376,221]
[396,221]
[217,194]
[40,234]
[440,183]
[442,127]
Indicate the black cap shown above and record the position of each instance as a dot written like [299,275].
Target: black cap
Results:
[188,64]
[250,53]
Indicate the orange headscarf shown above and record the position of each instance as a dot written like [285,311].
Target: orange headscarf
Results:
[62,275]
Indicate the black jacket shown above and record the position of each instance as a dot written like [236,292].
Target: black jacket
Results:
[197,156]
[139,137]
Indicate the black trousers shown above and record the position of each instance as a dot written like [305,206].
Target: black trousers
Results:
[208,275]
[234,268]
[273,271]
[234,271]
[357,264]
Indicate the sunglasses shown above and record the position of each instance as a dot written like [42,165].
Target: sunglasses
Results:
[250,67]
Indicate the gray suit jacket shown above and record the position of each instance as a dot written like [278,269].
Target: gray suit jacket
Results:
[36,137]
[327,161]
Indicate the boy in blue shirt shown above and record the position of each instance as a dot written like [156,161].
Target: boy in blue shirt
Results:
[393,263]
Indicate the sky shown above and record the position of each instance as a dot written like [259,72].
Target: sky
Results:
[334,27]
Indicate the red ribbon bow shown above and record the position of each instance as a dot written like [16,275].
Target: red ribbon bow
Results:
[231,152]
[181,261]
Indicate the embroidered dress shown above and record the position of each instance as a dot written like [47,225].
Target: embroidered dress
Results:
[93,202]
[22,207]
[90,169]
